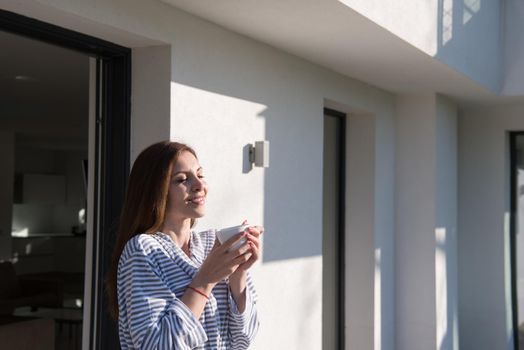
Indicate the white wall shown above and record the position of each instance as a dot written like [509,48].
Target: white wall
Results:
[483,241]
[228,91]
[243,91]
[426,287]
[363,265]
[401,16]
[415,206]
[370,238]
[151,101]
[446,282]
[464,34]
[384,232]
[513,48]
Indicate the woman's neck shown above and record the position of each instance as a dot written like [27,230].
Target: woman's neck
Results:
[179,231]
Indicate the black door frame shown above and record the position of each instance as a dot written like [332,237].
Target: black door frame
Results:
[342,117]
[113,118]
[513,232]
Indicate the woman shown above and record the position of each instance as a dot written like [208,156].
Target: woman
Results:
[172,288]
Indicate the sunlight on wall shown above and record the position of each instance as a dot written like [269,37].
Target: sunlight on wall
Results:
[471,7]
[441,286]
[447,21]
[378,300]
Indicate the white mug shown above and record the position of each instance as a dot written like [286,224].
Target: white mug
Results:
[228,232]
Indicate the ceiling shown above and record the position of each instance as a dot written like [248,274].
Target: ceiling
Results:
[43,92]
[334,36]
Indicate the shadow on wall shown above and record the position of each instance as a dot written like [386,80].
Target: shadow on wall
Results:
[469,39]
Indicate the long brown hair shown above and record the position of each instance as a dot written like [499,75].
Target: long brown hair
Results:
[145,203]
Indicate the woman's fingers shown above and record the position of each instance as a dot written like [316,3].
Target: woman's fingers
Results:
[255,250]
[223,260]
[240,250]
[254,239]
[254,243]
[256,230]
[232,241]
[241,259]
[255,254]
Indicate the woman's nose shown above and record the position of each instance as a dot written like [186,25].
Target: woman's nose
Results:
[198,184]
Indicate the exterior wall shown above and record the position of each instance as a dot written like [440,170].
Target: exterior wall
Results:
[513,48]
[384,229]
[244,91]
[426,287]
[227,91]
[224,91]
[370,257]
[446,283]
[415,269]
[370,265]
[360,242]
[464,34]
[483,241]
[151,98]
[400,17]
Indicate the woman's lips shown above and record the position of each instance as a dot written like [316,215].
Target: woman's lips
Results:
[197,200]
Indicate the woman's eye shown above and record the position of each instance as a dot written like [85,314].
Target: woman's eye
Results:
[180,180]
[201,176]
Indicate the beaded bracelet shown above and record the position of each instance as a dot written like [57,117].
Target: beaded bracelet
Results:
[199,292]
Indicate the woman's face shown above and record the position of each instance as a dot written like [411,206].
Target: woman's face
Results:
[187,190]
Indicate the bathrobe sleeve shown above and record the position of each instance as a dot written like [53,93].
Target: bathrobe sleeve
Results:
[243,326]
[154,316]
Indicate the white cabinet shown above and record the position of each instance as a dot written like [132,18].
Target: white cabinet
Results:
[44,189]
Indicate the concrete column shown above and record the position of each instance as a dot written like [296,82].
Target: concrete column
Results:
[426,178]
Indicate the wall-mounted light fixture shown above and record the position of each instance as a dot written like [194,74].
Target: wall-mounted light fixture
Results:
[259,154]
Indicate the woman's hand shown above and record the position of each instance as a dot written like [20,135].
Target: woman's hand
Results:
[238,279]
[221,262]
[253,240]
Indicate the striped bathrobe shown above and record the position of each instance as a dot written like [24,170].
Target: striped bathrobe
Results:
[153,273]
